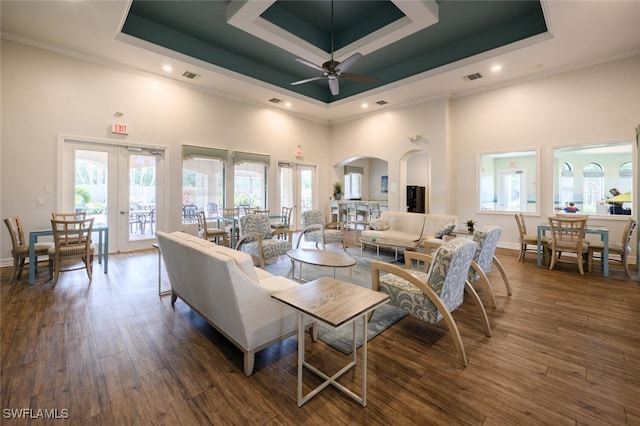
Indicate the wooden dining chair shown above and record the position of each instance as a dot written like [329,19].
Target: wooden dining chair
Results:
[567,236]
[69,216]
[210,234]
[20,246]
[72,241]
[620,248]
[529,242]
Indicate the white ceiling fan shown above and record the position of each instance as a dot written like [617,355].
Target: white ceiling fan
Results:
[332,70]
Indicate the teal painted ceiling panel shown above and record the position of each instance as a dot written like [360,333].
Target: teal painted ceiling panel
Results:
[465,28]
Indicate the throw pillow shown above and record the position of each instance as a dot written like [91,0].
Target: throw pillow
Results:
[445,230]
[379,225]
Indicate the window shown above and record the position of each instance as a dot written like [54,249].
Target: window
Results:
[353,182]
[507,181]
[250,179]
[585,174]
[202,180]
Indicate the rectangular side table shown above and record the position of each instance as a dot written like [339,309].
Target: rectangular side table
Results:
[335,303]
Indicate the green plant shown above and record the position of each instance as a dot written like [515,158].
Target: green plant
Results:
[83,197]
[337,187]
[471,222]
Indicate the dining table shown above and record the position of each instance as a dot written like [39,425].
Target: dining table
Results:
[602,231]
[103,248]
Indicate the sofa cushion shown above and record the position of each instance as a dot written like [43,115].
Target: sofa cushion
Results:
[275,283]
[445,230]
[379,225]
[242,260]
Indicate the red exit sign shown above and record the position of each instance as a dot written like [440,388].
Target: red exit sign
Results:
[119,128]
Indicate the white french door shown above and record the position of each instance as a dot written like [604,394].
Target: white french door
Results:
[118,185]
[297,186]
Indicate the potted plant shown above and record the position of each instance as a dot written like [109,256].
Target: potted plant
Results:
[470,225]
[337,190]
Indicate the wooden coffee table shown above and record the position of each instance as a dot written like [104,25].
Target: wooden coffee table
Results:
[335,303]
[326,258]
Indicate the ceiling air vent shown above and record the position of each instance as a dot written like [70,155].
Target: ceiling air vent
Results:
[275,100]
[473,76]
[382,103]
[190,75]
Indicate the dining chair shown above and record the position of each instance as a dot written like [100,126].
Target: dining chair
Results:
[69,216]
[261,211]
[567,236]
[621,248]
[210,234]
[284,222]
[256,238]
[189,212]
[20,246]
[529,242]
[431,296]
[231,213]
[72,241]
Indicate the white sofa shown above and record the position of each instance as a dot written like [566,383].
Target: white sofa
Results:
[224,287]
[407,230]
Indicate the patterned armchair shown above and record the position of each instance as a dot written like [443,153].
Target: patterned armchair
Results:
[315,229]
[487,239]
[431,296]
[256,238]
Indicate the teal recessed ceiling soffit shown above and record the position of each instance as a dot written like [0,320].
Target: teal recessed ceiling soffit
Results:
[263,39]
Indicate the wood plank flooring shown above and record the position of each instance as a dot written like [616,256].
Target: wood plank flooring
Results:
[565,350]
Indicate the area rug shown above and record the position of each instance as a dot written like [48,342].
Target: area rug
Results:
[382,318]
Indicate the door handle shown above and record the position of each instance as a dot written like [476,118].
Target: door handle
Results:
[124,212]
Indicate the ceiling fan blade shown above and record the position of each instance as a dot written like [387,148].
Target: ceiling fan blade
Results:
[334,86]
[306,81]
[359,77]
[311,64]
[348,63]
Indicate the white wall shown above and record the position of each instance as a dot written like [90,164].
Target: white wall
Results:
[596,104]
[45,94]
[386,135]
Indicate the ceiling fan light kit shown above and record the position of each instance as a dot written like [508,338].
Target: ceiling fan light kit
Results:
[332,69]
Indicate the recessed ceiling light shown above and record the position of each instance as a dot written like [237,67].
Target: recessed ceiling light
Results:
[381,102]
[288,104]
[496,68]
[167,68]
[365,105]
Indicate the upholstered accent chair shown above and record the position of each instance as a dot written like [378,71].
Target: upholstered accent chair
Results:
[20,246]
[529,242]
[567,236]
[487,238]
[621,249]
[432,295]
[210,234]
[256,238]
[72,240]
[316,230]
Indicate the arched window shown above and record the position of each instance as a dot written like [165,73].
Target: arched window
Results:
[593,180]
[625,174]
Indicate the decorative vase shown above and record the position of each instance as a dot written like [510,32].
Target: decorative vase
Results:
[470,228]
[337,196]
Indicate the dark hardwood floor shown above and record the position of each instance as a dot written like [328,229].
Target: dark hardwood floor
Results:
[565,350]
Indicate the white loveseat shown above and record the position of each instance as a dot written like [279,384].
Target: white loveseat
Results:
[223,286]
[407,230]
